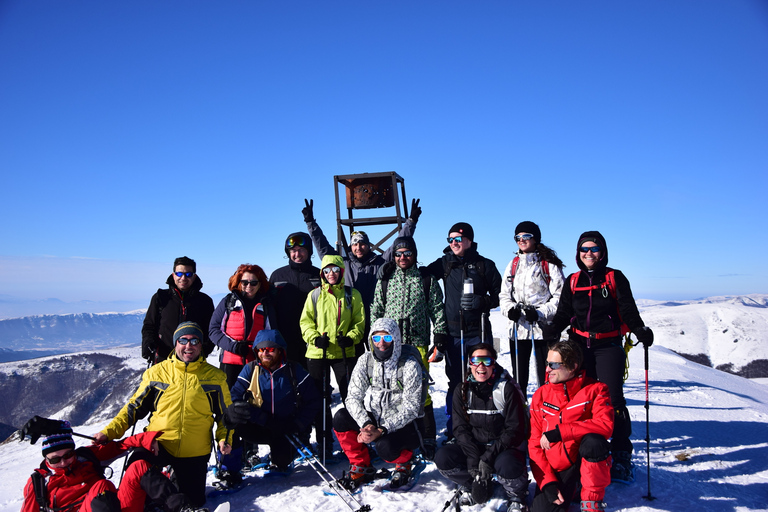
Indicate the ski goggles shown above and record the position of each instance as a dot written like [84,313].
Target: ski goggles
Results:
[524,236]
[403,254]
[584,249]
[191,341]
[452,239]
[184,274]
[484,360]
[554,366]
[334,269]
[58,458]
[378,338]
[296,241]
[246,282]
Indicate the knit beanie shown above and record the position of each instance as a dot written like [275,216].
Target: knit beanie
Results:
[187,328]
[405,243]
[529,227]
[60,440]
[463,228]
[359,237]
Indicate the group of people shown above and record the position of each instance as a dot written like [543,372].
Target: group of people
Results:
[377,321]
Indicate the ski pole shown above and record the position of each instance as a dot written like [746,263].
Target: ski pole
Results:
[535,360]
[339,490]
[647,426]
[325,398]
[454,496]
[517,353]
[463,358]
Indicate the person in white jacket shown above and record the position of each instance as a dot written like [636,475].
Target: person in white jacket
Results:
[530,291]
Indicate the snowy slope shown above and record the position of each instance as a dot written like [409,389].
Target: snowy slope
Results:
[708,435]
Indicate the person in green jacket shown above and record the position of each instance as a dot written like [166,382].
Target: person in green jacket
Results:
[332,324]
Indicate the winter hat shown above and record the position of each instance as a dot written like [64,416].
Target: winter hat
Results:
[270,338]
[300,239]
[60,440]
[187,328]
[529,227]
[405,242]
[597,238]
[359,237]
[463,228]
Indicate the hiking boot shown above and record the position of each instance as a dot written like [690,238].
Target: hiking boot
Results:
[515,506]
[435,356]
[357,476]
[465,498]
[592,506]
[228,479]
[400,475]
[429,449]
[622,469]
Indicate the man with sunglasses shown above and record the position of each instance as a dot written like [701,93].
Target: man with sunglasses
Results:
[464,311]
[185,397]
[571,421]
[490,426]
[181,302]
[292,283]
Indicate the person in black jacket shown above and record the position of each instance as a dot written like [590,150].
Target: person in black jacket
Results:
[490,426]
[464,311]
[595,311]
[181,302]
[291,284]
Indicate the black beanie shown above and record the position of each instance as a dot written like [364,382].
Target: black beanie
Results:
[187,328]
[529,227]
[463,228]
[405,242]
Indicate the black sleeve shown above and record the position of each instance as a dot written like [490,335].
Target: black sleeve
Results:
[516,425]
[564,313]
[150,330]
[626,303]
[205,321]
[493,280]
[462,430]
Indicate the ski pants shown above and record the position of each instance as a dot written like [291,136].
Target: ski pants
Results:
[509,466]
[592,470]
[522,356]
[455,363]
[394,447]
[190,472]
[606,362]
[318,369]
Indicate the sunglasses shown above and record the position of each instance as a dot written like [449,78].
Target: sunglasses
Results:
[298,240]
[595,248]
[183,274]
[554,366]
[378,338]
[191,341]
[58,458]
[478,360]
[452,239]
[328,270]
[403,254]
[246,282]
[525,236]
[268,350]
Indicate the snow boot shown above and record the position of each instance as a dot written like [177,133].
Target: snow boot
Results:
[622,469]
[592,506]
[401,474]
[465,498]
[357,476]
[516,506]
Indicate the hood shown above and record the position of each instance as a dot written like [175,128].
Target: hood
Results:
[596,237]
[332,259]
[390,326]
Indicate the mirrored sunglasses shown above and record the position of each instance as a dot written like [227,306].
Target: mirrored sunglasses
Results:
[268,350]
[596,248]
[191,341]
[452,239]
[554,366]
[328,270]
[378,338]
[184,274]
[524,236]
[478,360]
[403,254]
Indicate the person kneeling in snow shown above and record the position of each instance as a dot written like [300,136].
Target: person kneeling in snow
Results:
[384,403]
[73,479]
[490,426]
[571,421]
[273,397]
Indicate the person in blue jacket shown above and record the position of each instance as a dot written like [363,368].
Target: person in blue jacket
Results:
[271,398]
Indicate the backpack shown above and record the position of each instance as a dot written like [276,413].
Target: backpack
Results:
[610,285]
[406,352]
[511,276]
[480,265]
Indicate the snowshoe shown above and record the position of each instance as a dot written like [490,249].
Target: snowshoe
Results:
[592,506]
[405,476]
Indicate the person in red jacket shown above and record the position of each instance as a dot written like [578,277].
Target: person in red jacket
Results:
[73,479]
[571,421]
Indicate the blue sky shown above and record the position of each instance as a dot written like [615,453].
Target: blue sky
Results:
[135,132]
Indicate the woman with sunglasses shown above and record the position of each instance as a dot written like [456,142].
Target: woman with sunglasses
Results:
[530,292]
[491,428]
[245,311]
[598,306]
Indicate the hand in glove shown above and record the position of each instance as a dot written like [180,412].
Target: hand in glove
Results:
[471,301]
[514,313]
[531,315]
[549,331]
[345,341]
[242,349]
[415,210]
[644,335]
[323,342]
[307,211]
[443,341]
[238,413]
[485,470]
[39,426]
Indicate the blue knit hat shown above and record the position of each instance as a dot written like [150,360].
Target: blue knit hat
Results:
[60,440]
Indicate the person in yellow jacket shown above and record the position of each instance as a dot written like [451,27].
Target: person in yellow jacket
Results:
[185,396]
[332,324]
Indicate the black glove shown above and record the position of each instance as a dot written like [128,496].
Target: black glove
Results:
[550,491]
[344,341]
[474,473]
[486,471]
[148,351]
[531,315]
[309,215]
[238,413]
[482,490]
[548,330]
[471,301]
[514,313]
[39,426]
[242,349]
[443,341]
[644,335]
[323,342]
[415,210]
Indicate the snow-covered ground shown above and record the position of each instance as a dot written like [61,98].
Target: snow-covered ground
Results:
[708,440]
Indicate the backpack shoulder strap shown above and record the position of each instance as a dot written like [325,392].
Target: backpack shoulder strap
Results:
[348,296]
[426,279]
[545,271]
[41,490]
[315,294]
[610,280]
[511,276]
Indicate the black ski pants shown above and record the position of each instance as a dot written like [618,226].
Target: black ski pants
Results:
[320,371]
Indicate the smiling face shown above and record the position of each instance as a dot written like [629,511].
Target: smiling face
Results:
[480,372]
[332,274]
[562,374]
[298,254]
[183,283]
[459,248]
[526,245]
[360,249]
[188,352]
[248,289]
[589,258]
[270,357]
